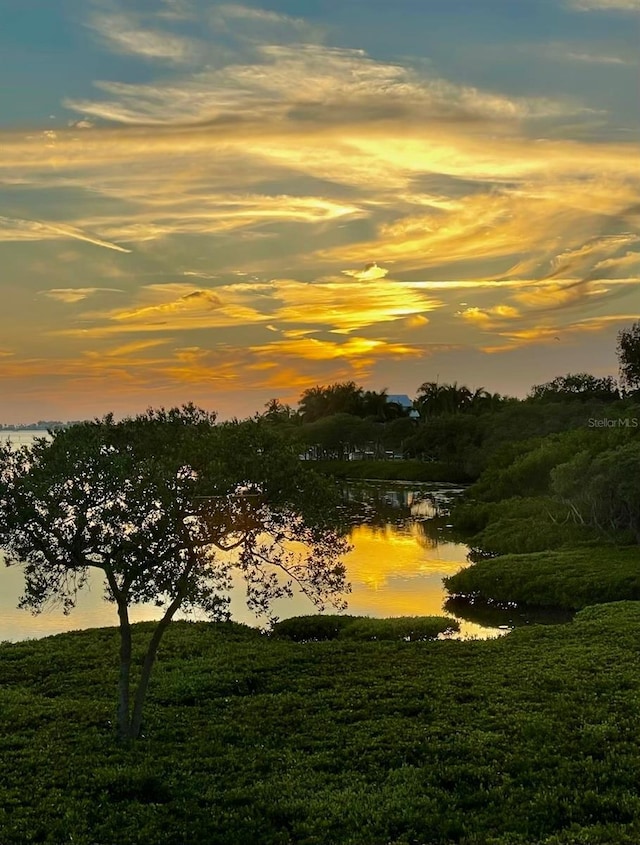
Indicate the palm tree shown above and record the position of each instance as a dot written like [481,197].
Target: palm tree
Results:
[429,399]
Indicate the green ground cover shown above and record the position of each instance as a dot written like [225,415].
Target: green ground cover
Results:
[331,627]
[249,739]
[563,578]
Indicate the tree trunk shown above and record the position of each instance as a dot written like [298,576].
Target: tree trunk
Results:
[125,671]
[147,666]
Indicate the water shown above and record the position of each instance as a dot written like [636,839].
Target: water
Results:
[396,567]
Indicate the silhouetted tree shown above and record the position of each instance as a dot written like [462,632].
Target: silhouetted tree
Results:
[164,506]
[629,357]
[580,386]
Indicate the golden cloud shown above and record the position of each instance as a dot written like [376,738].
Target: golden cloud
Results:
[346,306]
[555,333]
[314,349]
[369,273]
[417,321]
[71,295]
[490,316]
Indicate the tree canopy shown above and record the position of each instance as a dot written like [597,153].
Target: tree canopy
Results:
[581,386]
[165,505]
[629,356]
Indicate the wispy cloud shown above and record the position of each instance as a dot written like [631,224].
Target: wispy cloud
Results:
[310,82]
[71,295]
[337,306]
[605,5]
[368,273]
[314,349]
[122,33]
[14,228]
[262,23]
[306,212]
[595,58]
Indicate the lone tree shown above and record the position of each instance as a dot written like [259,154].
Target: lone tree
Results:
[579,386]
[165,505]
[629,357]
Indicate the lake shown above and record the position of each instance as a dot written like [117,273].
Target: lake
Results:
[396,567]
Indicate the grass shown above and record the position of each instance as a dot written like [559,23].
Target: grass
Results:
[532,738]
[566,578]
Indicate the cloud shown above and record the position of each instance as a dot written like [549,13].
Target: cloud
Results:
[532,219]
[594,58]
[263,24]
[193,302]
[369,272]
[71,295]
[122,34]
[298,308]
[621,263]
[176,10]
[313,349]
[550,333]
[258,188]
[605,5]
[489,317]
[310,83]
[164,308]
[193,212]
[13,228]
[344,307]
[417,321]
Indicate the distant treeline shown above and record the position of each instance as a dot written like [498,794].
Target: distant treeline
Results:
[41,425]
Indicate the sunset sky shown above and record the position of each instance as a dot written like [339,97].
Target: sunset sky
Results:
[224,203]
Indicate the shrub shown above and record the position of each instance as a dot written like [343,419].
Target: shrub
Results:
[519,525]
[316,627]
[409,628]
[570,579]
[331,627]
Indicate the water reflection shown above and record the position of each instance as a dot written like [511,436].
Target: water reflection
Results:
[493,614]
[396,567]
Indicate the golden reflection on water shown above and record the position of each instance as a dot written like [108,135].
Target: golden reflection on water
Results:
[398,571]
[395,570]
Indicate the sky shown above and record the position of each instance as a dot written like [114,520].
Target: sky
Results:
[226,203]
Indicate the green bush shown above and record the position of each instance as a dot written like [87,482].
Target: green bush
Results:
[522,536]
[569,579]
[408,628]
[331,627]
[519,525]
[308,628]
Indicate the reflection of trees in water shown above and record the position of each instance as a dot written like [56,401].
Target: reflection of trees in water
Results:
[494,615]
[421,513]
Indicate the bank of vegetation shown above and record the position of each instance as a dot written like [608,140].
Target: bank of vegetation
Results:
[456,431]
[554,520]
[251,738]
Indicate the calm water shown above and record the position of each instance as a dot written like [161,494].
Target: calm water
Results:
[396,568]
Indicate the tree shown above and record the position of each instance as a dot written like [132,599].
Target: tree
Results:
[602,489]
[335,436]
[278,413]
[580,386]
[629,357]
[164,505]
[434,399]
[428,399]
